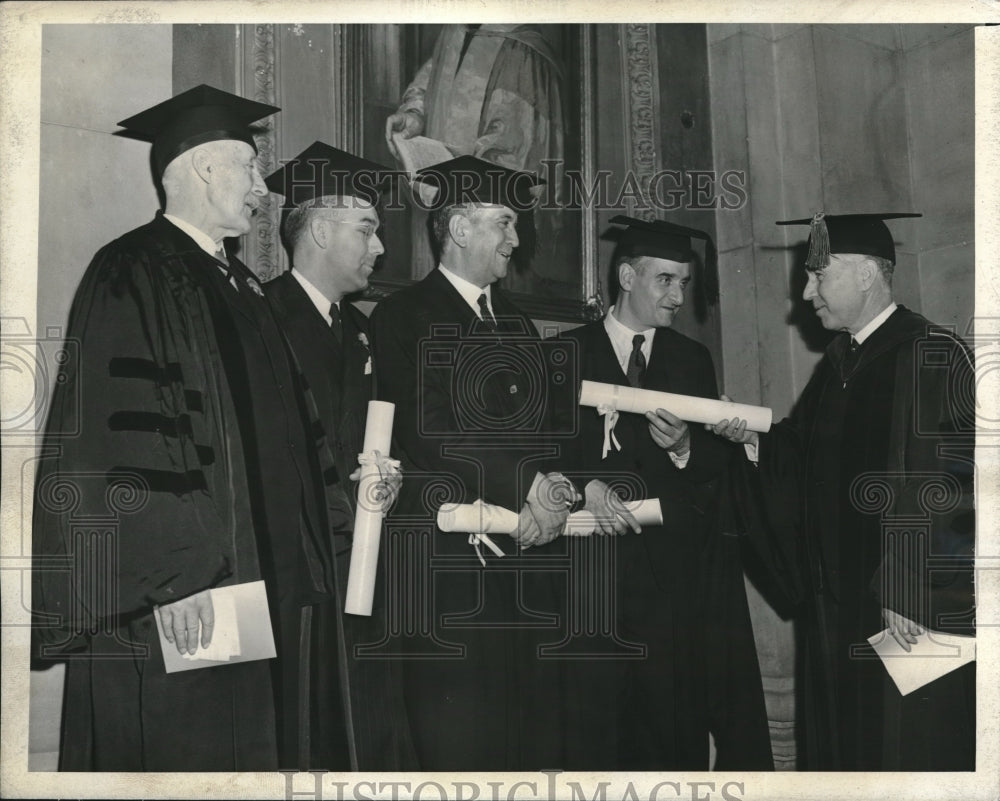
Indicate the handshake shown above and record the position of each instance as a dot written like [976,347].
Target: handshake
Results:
[551,499]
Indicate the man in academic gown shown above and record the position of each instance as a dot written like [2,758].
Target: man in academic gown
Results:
[473,386]
[331,231]
[193,447]
[679,591]
[866,488]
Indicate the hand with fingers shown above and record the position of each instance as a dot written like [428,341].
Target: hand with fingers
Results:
[734,430]
[387,489]
[613,517]
[903,630]
[182,619]
[409,123]
[669,432]
[544,514]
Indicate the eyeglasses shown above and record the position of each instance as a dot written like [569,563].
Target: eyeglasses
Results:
[367,229]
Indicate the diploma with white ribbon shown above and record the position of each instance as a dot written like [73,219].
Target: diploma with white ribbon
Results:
[375,464]
[479,520]
[609,399]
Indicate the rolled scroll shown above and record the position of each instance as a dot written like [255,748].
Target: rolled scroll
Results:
[646,512]
[484,518]
[368,520]
[687,407]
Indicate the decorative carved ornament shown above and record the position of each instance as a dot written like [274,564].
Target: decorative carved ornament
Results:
[642,95]
[265,258]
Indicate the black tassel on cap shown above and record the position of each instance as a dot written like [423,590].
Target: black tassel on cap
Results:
[819,244]
[864,234]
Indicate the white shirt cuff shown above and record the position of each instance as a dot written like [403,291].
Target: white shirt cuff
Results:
[680,462]
[751,451]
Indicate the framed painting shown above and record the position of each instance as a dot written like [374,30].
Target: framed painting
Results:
[521,96]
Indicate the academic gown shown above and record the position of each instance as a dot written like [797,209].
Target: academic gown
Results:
[866,494]
[678,586]
[223,491]
[471,412]
[340,378]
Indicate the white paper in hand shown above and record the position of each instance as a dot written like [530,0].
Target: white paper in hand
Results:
[242,630]
[932,656]
[225,634]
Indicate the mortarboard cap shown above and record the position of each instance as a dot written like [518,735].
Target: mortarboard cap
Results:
[325,171]
[660,239]
[467,179]
[865,234]
[199,115]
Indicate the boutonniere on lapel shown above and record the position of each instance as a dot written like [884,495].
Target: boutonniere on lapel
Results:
[363,339]
[254,285]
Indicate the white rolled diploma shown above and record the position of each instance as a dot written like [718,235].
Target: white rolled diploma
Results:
[686,407]
[368,519]
[485,518]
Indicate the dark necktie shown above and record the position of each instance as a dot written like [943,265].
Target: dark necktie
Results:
[851,357]
[337,324]
[488,319]
[636,362]
[220,255]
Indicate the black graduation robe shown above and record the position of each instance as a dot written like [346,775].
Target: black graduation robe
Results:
[183,392]
[340,381]
[678,588]
[866,497]
[470,422]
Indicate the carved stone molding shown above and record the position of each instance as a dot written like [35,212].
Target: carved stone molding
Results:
[593,304]
[256,79]
[642,92]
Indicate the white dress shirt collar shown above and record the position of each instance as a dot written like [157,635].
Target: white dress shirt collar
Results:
[621,337]
[201,239]
[469,291]
[870,329]
[320,301]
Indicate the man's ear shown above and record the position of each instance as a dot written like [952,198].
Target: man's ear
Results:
[201,160]
[626,275]
[318,230]
[867,272]
[458,228]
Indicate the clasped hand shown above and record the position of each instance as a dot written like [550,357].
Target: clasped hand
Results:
[546,509]
[612,516]
[386,490]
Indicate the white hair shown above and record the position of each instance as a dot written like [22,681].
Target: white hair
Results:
[176,172]
[179,169]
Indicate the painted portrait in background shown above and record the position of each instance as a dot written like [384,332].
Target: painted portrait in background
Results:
[502,93]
